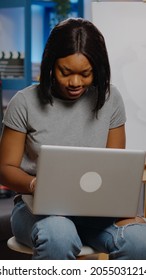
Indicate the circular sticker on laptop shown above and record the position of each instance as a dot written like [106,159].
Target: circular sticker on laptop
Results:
[90,181]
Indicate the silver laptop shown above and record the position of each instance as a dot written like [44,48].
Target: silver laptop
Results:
[83,181]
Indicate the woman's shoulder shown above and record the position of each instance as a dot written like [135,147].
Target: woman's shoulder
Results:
[24,96]
[115,95]
[114,91]
[28,92]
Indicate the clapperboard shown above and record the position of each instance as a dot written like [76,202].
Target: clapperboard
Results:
[11,64]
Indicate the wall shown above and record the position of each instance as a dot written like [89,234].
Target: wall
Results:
[123,26]
[87,9]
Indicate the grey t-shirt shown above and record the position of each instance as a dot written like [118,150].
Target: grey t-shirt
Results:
[70,123]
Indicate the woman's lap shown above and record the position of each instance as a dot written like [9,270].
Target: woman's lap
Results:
[64,237]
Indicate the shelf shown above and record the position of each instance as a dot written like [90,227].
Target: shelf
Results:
[16,19]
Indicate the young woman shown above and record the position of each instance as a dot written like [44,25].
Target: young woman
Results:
[74,104]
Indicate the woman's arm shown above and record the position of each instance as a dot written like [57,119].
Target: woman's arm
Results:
[11,153]
[117,138]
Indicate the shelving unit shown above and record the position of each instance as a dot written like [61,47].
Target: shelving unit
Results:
[25,8]
[19,6]
[1,107]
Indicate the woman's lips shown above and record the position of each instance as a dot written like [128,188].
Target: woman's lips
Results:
[75,92]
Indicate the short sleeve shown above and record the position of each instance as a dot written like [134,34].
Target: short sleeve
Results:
[15,115]
[118,116]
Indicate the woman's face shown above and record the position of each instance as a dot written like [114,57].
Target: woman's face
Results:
[73,75]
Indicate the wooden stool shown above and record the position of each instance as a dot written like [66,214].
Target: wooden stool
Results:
[87,253]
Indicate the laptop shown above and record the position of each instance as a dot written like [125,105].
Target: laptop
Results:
[83,181]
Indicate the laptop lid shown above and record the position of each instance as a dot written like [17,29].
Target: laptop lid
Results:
[80,181]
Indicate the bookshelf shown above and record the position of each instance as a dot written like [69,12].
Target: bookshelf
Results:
[19,34]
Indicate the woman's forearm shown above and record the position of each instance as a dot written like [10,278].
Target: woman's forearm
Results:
[16,179]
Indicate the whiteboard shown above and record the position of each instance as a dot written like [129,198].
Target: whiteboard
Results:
[123,25]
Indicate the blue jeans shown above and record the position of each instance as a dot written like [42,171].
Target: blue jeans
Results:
[61,238]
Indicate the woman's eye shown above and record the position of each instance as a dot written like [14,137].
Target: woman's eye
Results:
[65,74]
[85,75]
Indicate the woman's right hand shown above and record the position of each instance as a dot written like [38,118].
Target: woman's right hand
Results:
[32,185]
